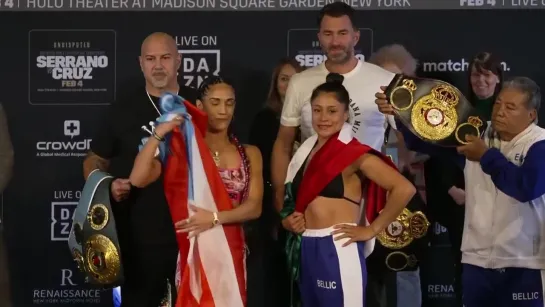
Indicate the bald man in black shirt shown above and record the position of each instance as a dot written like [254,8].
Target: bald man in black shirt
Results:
[146,233]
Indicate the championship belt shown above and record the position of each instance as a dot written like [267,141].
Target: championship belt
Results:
[93,239]
[433,110]
[407,227]
[400,245]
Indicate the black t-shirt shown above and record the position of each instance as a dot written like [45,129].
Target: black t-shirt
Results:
[144,218]
[263,134]
[441,174]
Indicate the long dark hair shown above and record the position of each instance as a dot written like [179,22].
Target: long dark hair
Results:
[484,61]
[274,101]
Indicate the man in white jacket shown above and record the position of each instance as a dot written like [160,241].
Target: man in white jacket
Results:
[503,245]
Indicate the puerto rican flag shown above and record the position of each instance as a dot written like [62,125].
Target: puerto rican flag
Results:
[211,266]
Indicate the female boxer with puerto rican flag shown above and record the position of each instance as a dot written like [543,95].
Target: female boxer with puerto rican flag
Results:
[213,184]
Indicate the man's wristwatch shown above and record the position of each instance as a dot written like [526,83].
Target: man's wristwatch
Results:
[216,221]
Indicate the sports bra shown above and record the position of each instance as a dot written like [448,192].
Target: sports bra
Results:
[334,189]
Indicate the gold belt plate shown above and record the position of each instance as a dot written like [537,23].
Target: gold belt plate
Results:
[401,232]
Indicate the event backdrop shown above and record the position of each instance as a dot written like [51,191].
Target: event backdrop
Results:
[55,107]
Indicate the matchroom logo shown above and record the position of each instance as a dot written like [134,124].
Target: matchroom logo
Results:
[453,66]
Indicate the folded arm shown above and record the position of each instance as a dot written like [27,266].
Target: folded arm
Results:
[525,182]
[251,208]
[400,190]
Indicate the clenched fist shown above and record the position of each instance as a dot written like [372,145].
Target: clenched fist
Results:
[295,222]
[382,102]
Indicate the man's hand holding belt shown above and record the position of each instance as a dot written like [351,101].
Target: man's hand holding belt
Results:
[475,149]
[120,189]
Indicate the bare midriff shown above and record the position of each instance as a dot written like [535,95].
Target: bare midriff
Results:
[325,212]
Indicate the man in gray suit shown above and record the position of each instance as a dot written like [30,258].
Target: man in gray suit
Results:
[6,167]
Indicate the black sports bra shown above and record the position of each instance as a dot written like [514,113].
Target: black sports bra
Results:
[334,189]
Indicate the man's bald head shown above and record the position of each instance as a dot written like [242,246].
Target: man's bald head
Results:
[160,61]
[158,38]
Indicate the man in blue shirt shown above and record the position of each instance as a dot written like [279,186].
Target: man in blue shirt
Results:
[503,251]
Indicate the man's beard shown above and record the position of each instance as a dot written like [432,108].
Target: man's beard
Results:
[159,82]
[341,58]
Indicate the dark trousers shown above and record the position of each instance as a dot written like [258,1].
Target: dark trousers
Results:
[509,287]
[455,227]
[452,218]
[455,232]
[268,279]
[147,269]
[267,271]
[5,296]
[381,290]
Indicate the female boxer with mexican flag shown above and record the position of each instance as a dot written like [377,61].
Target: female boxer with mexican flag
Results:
[339,195]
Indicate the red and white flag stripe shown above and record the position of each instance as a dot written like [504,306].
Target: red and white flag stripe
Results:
[211,266]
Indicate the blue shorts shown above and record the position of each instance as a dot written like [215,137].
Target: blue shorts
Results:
[331,275]
[509,287]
